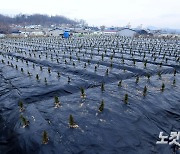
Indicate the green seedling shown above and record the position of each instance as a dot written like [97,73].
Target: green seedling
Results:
[166,60]
[83,95]
[45,80]
[95,68]
[98,63]
[174,82]
[120,83]
[37,76]
[145,91]
[58,74]
[102,87]
[148,76]
[21,106]
[69,79]
[65,61]
[123,60]
[102,56]
[137,79]
[72,124]
[126,98]
[24,121]
[111,65]
[88,61]
[162,87]
[107,71]
[22,70]
[12,65]
[45,137]
[84,65]
[101,107]
[49,70]
[41,68]
[144,56]
[145,64]
[159,74]
[29,73]
[134,61]
[56,102]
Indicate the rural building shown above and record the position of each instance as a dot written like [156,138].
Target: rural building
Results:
[127,32]
[133,32]
[111,30]
[79,31]
[36,33]
[25,33]
[142,32]
[15,33]
[56,32]
[2,35]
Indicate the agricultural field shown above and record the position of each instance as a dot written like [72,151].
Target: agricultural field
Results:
[91,95]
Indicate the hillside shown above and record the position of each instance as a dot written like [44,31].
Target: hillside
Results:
[35,19]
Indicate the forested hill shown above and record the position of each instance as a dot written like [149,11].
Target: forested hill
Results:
[35,19]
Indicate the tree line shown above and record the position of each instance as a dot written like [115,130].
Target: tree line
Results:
[35,19]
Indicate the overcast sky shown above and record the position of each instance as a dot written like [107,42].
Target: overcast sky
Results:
[159,13]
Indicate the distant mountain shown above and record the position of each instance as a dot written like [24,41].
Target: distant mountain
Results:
[153,28]
[168,30]
[176,31]
[35,19]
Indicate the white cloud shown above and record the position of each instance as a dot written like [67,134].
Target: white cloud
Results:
[163,13]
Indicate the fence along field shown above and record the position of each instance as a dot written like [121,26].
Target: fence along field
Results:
[93,94]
